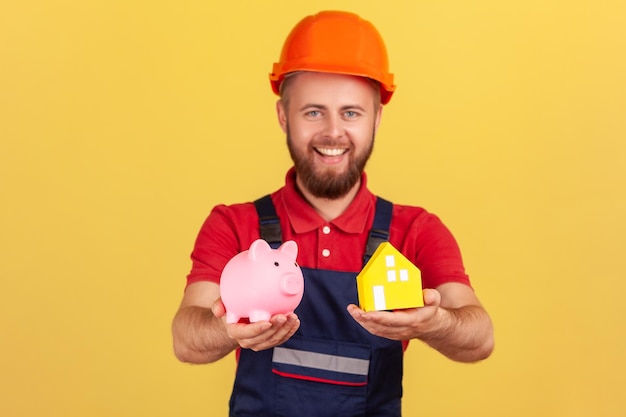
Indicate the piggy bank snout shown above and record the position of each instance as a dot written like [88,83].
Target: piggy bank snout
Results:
[291,284]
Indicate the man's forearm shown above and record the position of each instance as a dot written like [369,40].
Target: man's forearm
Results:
[200,337]
[465,336]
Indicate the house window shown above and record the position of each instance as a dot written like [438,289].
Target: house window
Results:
[404,275]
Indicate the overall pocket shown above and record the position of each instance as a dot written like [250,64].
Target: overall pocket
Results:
[318,378]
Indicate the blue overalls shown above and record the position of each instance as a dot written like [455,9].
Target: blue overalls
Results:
[331,367]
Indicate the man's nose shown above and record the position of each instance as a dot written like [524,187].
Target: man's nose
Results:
[334,127]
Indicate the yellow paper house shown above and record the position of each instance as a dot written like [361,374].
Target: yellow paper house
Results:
[389,281]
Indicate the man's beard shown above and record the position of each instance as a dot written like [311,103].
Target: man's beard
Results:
[329,184]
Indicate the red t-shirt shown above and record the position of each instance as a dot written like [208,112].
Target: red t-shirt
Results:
[336,245]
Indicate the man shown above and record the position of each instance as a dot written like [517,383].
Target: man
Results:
[329,357]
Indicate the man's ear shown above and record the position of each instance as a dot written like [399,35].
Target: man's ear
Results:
[379,116]
[281,112]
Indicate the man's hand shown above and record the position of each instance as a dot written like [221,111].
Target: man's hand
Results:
[262,334]
[403,324]
[452,321]
[201,334]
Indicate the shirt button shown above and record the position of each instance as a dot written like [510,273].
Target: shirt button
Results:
[326,230]
[326,253]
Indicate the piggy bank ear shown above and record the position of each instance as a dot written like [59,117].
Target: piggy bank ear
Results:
[258,248]
[290,248]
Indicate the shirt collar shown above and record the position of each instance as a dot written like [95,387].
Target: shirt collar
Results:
[304,218]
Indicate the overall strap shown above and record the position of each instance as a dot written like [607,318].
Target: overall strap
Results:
[380,228]
[268,222]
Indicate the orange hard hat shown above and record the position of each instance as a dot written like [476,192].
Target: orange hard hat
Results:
[335,42]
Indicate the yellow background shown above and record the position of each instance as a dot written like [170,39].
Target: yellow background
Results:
[123,122]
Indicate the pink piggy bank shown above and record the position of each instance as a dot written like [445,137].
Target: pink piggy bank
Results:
[261,282]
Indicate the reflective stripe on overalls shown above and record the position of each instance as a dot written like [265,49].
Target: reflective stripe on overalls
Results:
[331,367]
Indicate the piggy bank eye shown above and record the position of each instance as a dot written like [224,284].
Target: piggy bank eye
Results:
[296,264]
[276,264]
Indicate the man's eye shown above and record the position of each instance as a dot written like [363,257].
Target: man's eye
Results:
[351,114]
[313,113]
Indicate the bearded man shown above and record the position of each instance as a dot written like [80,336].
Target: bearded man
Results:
[329,357]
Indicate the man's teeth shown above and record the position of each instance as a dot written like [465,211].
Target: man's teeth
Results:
[330,152]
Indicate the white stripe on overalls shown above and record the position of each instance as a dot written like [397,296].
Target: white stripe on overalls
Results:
[321,361]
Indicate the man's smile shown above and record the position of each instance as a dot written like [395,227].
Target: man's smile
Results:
[331,151]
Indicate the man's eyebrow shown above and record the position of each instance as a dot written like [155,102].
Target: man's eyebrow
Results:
[322,107]
[313,106]
[353,107]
